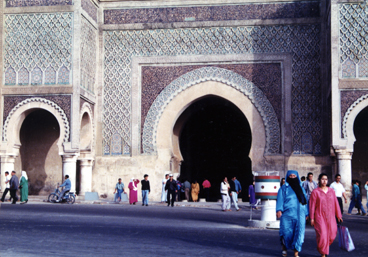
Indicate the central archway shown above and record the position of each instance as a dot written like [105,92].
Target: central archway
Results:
[215,140]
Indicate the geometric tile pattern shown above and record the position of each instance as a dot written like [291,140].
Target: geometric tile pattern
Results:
[363,68]
[36,78]
[348,69]
[116,145]
[350,109]
[10,76]
[353,37]
[88,55]
[24,3]
[232,79]
[90,8]
[302,41]
[50,76]
[63,75]
[307,143]
[23,77]
[37,41]
[213,13]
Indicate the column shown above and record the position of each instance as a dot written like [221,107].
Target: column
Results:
[6,164]
[86,176]
[344,168]
[70,168]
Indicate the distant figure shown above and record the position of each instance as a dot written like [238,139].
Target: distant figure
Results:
[324,209]
[238,188]
[179,186]
[233,193]
[7,185]
[282,182]
[172,189]
[224,190]
[195,191]
[292,210]
[23,186]
[146,190]
[14,185]
[339,191]
[133,191]
[252,195]
[186,186]
[356,198]
[302,178]
[366,188]
[120,189]
[309,185]
[164,192]
[206,188]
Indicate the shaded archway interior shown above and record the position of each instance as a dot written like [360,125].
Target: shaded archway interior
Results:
[359,160]
[215,141]
[39,153]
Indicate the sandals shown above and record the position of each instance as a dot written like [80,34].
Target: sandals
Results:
[284,253]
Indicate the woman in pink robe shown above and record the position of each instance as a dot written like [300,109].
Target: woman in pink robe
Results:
[133,191]
[323,211]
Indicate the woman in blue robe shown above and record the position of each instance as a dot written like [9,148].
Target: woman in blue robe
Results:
[292,209]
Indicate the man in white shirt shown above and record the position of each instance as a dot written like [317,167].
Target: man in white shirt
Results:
[339,191]
[225,195]
[164,191]
[7,179]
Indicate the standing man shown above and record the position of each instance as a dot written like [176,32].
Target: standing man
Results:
[146,189]
[14,185]
[234,193]
[339,191]
[7,185]
[171,188]
[186,189]
[67,186]
[164,191]
[206,187]
[238,188]
[309,185]
[356,199]
[225,195]
[120,188]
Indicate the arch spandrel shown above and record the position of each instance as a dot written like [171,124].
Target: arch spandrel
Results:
[229,78]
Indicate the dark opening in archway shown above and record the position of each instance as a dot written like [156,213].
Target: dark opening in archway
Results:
[359,159]
[215,142]
[39,152]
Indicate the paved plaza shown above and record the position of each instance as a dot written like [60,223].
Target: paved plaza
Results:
[44,229]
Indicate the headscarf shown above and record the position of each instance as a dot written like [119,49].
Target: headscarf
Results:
[296,185]
[24,174]
[133,184]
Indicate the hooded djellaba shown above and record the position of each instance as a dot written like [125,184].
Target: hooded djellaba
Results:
[292,209]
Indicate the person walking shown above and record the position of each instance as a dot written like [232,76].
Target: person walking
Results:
[291,209]
[186,186]
[195,191]
[133,191]
[252,195]
[224,190]
[164,192]
[14,185]
[233,193]
[323,210]
[23,186]
[7,185]
[309,185]
[120,189]
[339,191]
[356,199]
[172,189]
[366,188]
[238,188]
[206,188]
[146,190]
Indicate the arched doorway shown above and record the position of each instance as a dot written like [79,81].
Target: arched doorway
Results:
[359,158]
[39,152]
[215,140]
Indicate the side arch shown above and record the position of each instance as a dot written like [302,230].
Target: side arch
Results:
[14,121]
[232,79]
[87,110]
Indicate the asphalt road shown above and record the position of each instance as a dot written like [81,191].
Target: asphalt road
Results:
[123,230]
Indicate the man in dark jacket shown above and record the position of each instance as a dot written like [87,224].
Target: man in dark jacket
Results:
[146,189]
[171,188]
[14,184]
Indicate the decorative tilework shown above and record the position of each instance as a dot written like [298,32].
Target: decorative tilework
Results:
[38,40]
[90,8]
[302,41]
[63,76]
[36,76]
[24,3]
[363,68]
[266,76]
[116,145]
[348,69]
[50,76]
[353,35]
[307,143]
[227,77]
[88,55]
[23,76]
[212,13]
[10,76]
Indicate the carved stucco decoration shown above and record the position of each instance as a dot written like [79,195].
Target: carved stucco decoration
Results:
[350,109]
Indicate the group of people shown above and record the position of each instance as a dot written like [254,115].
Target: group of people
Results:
[12,184]
[322,206]
[229,193]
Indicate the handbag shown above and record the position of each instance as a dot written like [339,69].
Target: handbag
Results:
[345,240]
